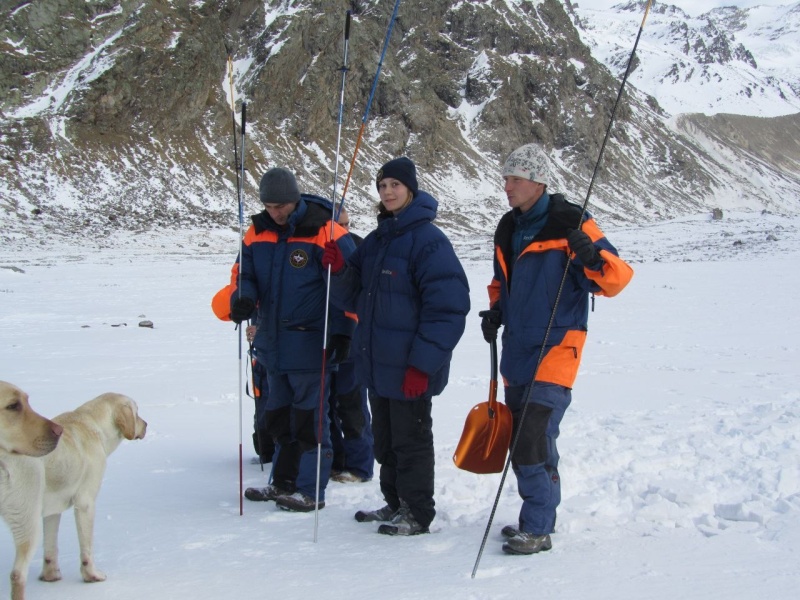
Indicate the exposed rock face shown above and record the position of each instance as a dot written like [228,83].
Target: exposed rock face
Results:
[115,113]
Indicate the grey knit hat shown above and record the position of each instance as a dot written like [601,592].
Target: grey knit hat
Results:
[528,162]
[278,186]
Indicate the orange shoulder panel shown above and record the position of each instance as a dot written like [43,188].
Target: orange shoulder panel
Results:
[265,236]
[591,229]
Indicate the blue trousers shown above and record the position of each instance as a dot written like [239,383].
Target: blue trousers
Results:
[351,428]
[293,420]
[535,461]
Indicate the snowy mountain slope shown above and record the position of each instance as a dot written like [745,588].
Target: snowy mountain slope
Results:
[743,61]
[116,118]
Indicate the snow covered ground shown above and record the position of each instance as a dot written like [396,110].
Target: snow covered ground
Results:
[680,466]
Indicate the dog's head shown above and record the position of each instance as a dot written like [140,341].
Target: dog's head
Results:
[22,430]
[127,419]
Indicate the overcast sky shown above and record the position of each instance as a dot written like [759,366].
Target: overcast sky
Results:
[691,7]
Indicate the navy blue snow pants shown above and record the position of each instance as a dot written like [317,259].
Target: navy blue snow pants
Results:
[293,422]
[351,429]
[535,461]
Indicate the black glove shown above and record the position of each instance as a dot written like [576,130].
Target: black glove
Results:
[338,349]
[492,319]
[583,247]
[241,309]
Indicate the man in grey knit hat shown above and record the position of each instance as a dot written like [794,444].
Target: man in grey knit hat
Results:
[283,280]
[541,237]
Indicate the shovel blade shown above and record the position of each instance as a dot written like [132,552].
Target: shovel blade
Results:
[483,446]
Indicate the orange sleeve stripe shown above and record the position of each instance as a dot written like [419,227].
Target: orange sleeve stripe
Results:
[221,303]
[351,315]
[614,275]
[494,292]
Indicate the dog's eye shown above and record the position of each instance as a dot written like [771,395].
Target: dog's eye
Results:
[15,406]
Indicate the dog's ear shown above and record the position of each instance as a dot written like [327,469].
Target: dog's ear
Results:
[125,420]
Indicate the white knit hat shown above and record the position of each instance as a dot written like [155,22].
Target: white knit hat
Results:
[528,162]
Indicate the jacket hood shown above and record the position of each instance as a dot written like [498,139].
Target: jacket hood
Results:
[422,209]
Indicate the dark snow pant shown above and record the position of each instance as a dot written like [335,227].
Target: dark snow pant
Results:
[293,422]
[262,440]
[403,431]
[351,432]
[535,460]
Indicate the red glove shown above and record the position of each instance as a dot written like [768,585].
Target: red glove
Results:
[414,383]
[333,257]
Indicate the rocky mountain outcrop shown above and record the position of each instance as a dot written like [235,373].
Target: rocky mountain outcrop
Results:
[116,113]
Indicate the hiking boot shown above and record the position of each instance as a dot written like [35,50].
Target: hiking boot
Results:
[297,502]
[403,523]
[347,477]
[386,513]
[271,492]
[527,543]
[509,531]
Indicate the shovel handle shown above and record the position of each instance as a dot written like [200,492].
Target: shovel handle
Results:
[493,378]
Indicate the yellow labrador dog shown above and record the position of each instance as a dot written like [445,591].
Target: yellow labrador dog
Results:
[74,472]
[24,435]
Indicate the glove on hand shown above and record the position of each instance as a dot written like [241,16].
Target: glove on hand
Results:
[338,349]
[241,309]
[333,257]
[492,319]
[414,383]
[583,247]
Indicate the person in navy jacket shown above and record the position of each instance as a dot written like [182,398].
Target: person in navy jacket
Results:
[411,296]
[282,275]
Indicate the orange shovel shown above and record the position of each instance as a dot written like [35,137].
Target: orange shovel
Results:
[483,446]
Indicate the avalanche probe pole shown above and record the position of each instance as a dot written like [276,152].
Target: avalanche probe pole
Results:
[238,283]
[239,287]
[558,298]
[369,101]
[322,386]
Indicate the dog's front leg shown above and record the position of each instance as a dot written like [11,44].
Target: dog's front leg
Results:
[84,520]
[50,568]
[26,535]
[25,549]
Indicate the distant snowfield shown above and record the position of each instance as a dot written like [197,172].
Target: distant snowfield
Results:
[679,454]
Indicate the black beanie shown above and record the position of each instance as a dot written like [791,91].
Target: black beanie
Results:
[278,186]
[401,169]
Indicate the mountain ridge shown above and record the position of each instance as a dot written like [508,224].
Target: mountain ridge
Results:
[122,117]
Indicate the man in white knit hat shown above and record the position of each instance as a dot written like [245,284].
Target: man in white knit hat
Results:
[535,242]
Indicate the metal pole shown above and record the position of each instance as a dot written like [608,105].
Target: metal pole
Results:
[369,101]
[322,386]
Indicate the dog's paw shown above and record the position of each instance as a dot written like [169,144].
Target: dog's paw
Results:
[92,575]
[50,574]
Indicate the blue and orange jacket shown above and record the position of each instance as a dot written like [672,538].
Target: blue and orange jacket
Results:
[525,292]
[281,272]
[411,295]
